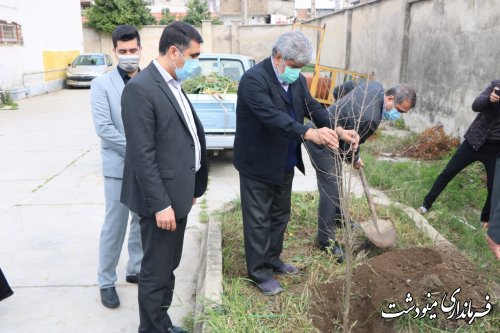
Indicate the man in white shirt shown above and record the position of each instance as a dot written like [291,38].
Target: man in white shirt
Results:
[165,167]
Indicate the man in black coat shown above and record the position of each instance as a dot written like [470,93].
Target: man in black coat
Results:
[165,167]
[359,106]
[273,100]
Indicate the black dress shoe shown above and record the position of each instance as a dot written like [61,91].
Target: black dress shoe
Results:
[109,298]
[176,329]
[337,252]
[132,278]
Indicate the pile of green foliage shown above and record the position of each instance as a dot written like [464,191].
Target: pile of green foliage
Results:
[210,84]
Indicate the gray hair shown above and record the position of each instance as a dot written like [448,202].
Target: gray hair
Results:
[401,93]
[294,45]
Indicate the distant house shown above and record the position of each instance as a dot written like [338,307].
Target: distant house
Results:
[255,11]
[176,7]
[35,52]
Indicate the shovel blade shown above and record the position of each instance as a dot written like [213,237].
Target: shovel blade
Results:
[384,237]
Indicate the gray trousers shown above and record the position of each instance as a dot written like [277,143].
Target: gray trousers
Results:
[113,234]
[329,176]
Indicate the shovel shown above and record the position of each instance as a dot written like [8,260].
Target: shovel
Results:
[381,232]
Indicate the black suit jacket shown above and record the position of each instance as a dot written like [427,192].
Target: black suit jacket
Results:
[358,107]
[263,126]
[159,166]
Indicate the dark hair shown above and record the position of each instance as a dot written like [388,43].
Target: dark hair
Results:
[179,34]
[125,33]
[401,93]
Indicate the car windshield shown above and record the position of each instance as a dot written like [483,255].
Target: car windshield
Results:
[230,68]
[89,60]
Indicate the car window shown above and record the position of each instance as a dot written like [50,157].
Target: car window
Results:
[89,60]
[208,66]
[232,69]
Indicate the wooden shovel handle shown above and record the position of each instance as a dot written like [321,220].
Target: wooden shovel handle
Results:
[368,195]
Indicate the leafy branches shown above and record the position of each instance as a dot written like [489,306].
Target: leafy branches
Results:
[105,15]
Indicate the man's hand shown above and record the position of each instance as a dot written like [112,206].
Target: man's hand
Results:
[494,247]
[495,95]
[349,136]
[358,164]
[323,136]
[166,219]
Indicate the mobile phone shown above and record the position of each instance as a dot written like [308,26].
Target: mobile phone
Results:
[496,90]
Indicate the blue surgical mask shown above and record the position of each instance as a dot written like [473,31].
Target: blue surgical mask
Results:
[290,75]
[392,114]
[190,65]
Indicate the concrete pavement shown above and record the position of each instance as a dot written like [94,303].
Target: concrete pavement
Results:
[51,212]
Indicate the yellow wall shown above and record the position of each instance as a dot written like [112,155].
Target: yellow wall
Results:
[57,60]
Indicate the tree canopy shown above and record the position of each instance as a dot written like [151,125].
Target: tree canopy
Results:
[197,10]
[105,15]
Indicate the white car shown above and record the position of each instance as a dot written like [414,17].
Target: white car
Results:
[87,67]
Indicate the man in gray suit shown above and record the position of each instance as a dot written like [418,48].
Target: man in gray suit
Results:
[358,106]
[165,167]
[106,94]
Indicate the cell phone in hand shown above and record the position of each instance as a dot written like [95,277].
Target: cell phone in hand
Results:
[496,90]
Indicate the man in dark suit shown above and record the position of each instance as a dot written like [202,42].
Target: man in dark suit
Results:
[165,167]
[272,102]
[358,106]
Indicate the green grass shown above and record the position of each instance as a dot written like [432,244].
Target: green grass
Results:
[455,214]
[244,309]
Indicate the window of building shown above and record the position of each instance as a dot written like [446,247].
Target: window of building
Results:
[10,33]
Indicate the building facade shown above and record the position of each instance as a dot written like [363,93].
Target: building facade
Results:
[38,39]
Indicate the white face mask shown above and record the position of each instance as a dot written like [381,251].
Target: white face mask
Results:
[129,63]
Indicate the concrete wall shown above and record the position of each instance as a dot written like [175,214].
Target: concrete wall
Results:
[453,54]
[52,34]
[445,49]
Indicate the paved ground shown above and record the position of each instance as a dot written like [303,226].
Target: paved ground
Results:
[51,211]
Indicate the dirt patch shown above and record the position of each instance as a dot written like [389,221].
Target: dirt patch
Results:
[432,144]
[388,278]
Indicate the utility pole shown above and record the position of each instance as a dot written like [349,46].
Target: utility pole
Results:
[313,8]
[244,11]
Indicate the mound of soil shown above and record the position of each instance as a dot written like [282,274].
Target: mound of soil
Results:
[432,144]
[388,278]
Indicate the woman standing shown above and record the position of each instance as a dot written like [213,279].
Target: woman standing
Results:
[482,143]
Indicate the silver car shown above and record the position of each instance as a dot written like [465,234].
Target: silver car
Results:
[87,67]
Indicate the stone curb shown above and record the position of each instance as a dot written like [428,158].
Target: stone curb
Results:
[209,282]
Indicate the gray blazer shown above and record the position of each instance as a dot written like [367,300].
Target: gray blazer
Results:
[160,161]
[106,95]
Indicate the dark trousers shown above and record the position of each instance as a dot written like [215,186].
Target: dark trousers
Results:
[329,176]
[266,211]
[162,255]
[5,290]
[494,227]
[463,157]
